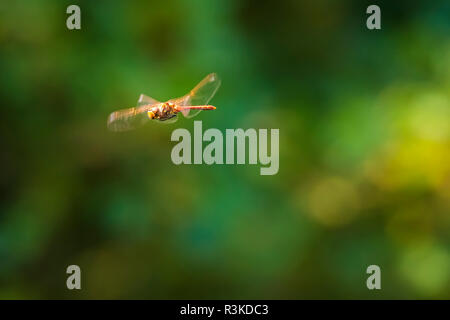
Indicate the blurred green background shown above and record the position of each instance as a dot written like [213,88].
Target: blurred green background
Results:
[364,150]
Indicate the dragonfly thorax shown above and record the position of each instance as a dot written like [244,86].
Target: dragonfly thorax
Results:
[164,111]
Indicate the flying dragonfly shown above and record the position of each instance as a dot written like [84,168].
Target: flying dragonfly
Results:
[151,109]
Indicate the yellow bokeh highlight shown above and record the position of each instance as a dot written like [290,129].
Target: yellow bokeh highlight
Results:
[333,201]
[426,268]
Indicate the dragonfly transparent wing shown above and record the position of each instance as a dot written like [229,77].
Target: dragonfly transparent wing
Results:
[200,95]
[128,119]
[144,100]
[132,118]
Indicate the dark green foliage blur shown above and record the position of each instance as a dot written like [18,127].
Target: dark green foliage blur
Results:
[364,150]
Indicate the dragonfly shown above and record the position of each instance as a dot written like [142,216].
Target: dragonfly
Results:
[149,109]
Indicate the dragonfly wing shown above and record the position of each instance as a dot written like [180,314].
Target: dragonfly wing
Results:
[200,95]
[144,100]
[128,119]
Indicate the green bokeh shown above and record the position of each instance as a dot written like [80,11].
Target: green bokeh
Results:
[364,150]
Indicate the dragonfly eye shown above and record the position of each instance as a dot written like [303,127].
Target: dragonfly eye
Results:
[150,114]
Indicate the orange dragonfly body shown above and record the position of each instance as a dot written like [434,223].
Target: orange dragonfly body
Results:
[150,109]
